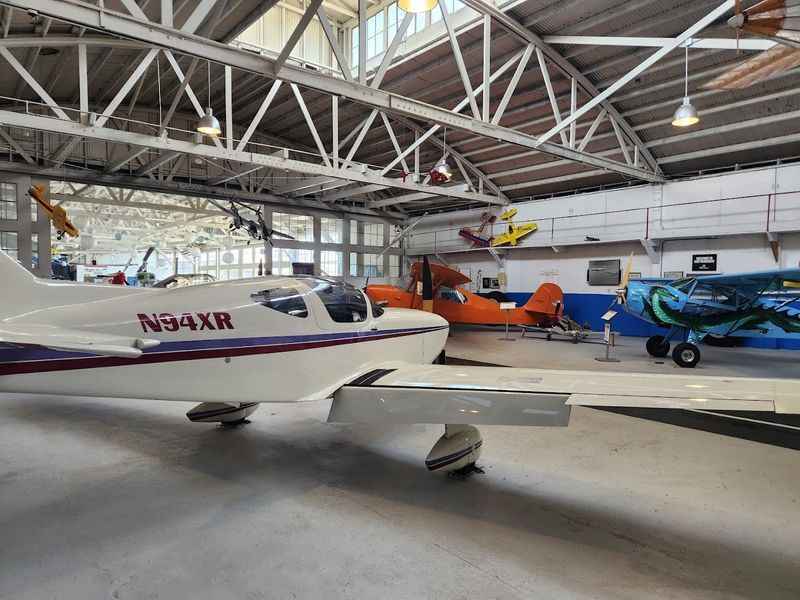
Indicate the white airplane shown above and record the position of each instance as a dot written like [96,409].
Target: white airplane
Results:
[232,345]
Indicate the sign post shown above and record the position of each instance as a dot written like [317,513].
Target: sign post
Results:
[607,337]
[507,307]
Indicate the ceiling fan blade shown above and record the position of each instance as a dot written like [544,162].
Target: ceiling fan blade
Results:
[757,69]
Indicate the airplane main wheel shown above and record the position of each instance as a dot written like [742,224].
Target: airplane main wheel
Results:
[686,355]
[657,346]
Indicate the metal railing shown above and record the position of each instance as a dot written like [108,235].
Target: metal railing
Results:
[756,213]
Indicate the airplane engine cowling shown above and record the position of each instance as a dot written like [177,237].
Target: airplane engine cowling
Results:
[221,412]
[459,447]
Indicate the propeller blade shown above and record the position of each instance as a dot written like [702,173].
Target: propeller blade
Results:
[627,273]
[756,69]
[427,286]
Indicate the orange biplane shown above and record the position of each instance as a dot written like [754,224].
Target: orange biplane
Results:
[544,309]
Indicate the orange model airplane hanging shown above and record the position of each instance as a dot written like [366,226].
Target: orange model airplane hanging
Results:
[55,213]
[458,305]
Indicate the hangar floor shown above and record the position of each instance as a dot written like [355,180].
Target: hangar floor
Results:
[123,499]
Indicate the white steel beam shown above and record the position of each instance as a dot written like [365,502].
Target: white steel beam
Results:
[31,81]
[330,35]
[310,123]
[592,129]
[462,68]
[659,42]
[118,24]
[487,59]
[640,68]
[311,10]
[259,114]
[548,84]
[512,85]
[212,152]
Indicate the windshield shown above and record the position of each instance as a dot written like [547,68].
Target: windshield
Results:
[344,303]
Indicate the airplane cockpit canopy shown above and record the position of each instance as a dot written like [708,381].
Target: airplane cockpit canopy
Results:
[344,302]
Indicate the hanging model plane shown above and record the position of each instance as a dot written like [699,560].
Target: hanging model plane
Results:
[745,305]
[513,233]
[56,214]
[458,305]
[230,346]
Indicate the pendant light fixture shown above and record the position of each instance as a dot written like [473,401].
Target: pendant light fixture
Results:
[208,124]
[417,6]
[686,114]
[441,173]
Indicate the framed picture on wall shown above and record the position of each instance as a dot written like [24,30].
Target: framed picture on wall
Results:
[673,275]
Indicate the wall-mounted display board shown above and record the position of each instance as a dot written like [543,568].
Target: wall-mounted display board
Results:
[704,263]
[603,272]
[673,275]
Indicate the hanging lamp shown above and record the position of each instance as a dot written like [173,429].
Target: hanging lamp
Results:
[208,124]
[686,113]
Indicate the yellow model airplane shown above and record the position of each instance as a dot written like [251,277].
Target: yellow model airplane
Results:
[514,233]
[55,213]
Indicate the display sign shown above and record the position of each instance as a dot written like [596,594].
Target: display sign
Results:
[603,272]
[508,305]
[704,262]
[673,275]
[492,283]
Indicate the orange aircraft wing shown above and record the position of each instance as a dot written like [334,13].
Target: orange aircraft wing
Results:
[441,275]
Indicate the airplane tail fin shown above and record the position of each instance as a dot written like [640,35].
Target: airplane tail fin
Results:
[547,300]
[24,293]
[19,286]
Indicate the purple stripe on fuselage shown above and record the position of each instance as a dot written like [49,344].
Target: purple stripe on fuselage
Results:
[32,359]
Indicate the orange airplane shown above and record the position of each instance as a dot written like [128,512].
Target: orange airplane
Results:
[544,309]
[55,213]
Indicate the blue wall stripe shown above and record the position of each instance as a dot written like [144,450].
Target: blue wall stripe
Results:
[588,308]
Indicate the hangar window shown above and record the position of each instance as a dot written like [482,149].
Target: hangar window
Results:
[373,265]
[287,300]
[300,227]
[8,201]
[8,243]
[330,263]
[373,234]
[344,303]
[331,230]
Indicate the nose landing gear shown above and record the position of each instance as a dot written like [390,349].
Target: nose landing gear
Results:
[686,355]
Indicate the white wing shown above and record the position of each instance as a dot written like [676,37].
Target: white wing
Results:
[62,338]
[510,396]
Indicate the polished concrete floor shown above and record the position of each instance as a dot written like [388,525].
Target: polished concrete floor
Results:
[123,499]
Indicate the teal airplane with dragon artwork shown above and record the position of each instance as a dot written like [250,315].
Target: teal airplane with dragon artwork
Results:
[765,304]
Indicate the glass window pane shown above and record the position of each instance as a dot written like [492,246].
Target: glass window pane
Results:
[8,243]
[354,264]
[373,265]
[373,234]
[300,227]
[394,265]
[289,301]
[35,250]
[331,230]
[354,232]
[282,259]
[330,263]
[344,303]
[8,201]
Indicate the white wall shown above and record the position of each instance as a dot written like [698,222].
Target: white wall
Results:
[730,221]
[732,203]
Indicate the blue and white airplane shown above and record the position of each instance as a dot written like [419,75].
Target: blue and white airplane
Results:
[763,304]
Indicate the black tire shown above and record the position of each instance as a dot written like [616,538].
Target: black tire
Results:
[657,346]
[686,355]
